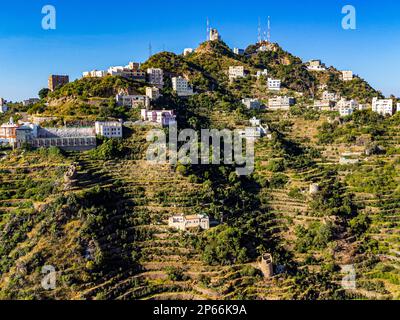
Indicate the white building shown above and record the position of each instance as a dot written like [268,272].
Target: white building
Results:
[155,76]
[3,106]
[238,51]
[184,223]
[347,107]
[214,35]
[347,75]
[94,74]
[382,106]
[274,84]
[162,117]
[132,101]
[332,96]
[251,103]
[153,93]
[187,51]
[181,86]
[325,105]
[236,72]
[280,103]
[263,73]
[109,129]
[316,65]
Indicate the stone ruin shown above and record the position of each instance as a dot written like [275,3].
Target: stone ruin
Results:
[266,265]
[70,177]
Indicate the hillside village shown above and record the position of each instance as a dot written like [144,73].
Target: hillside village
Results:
[77,192]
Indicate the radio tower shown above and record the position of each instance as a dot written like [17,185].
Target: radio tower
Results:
[259,31]
[208,29]
[150,50]
[269,30]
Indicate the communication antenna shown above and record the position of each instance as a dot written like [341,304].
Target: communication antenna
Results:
[150,50]
[269,30]
[259,31]
[208,29]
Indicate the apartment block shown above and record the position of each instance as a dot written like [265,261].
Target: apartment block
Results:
[236,72]
[347,75]
[153,93]
[155,76]
[316,65]
[94,74]
[383,106]
[181,86]
[162,117]
[274,84]
[133,101]
[281,103]
[109,129]
[252,104]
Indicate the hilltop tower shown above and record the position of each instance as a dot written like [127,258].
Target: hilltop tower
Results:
[269,30]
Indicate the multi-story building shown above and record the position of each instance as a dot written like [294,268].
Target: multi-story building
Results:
[281,103]
[325,105]
[236,72]
[94,74]
[162,117]
[184,223]
[8,133]
[214,35]
[153,93]
[131,72]
[274,84]
[326,95]
[316,65]
[383,106]
[155,76]
[347,75]
[109,129]
[251,103]
[181,86]
[56,81]
[238,51]
[347,107]
[133,101]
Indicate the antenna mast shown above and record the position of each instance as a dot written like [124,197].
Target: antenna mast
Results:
[208,29]
[259,31]
[150,50]
[269,29]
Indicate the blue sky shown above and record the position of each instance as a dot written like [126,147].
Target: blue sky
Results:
[96,34]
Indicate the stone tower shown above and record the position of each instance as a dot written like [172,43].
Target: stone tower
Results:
[266,265]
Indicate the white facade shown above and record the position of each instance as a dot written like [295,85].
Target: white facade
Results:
[184,223]
[162,117]
[94,74]
[109,129]
[181,86]
[236,72]
[156,77]
[274,84]
[316,65]
[238,51]
[153,93]
[326,95]
[251,103]
[325,105]
[347,75]
[187,51]
[280,103]
[382,106]
[263,73]
[132,101]
[214,35]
